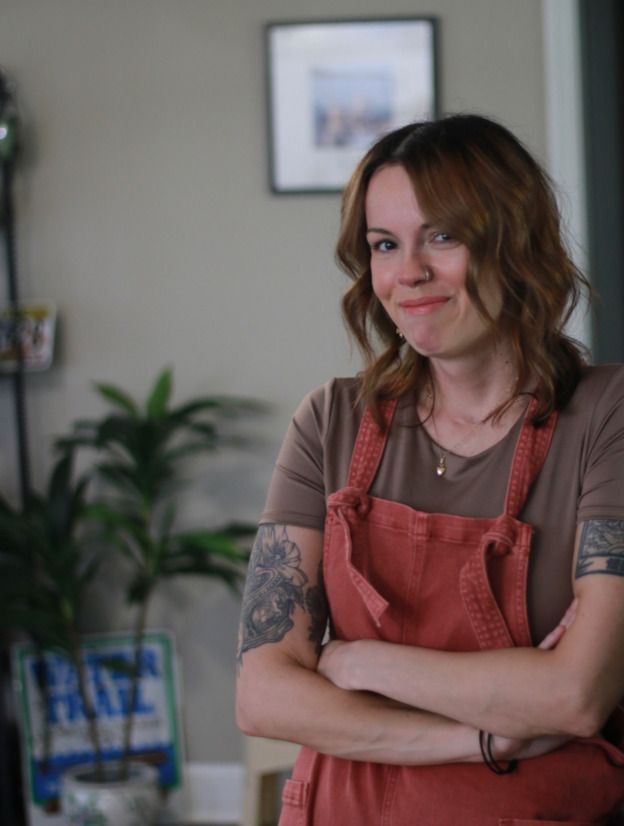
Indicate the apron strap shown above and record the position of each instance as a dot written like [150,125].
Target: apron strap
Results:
[343,503]
[369,446]
[529,456]
[505,538]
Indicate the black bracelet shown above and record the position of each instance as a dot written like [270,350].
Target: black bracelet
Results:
[485,745]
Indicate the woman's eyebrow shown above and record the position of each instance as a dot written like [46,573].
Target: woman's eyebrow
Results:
[383,231]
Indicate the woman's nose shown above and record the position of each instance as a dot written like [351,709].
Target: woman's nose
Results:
[414,271]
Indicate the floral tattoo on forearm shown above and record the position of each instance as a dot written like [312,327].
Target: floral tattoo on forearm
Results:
[276,585]
[601,549]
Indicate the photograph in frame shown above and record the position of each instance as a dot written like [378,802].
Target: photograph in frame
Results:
[335,87]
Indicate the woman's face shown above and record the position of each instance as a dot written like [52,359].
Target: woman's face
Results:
[419,273]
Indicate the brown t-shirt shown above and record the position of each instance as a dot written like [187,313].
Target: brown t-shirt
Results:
[582,477]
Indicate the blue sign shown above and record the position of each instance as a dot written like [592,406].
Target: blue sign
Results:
[55,727]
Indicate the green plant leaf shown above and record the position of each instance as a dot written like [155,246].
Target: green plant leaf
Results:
[189,449]
[121,477]
[89,571]
[223,406]
[118,431]
[191,409]
[159,396]
[205,429]
[139,589]
[166,521]
[39,623]
[119,398]
[107,514]
[60,497]
[15,533]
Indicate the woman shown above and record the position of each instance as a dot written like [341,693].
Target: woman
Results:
[443,510]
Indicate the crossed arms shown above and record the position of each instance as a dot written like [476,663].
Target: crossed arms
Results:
[371,700]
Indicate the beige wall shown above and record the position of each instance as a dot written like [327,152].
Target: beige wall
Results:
[144,212]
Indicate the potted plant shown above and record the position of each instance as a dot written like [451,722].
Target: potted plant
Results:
[46,564]
[137,453]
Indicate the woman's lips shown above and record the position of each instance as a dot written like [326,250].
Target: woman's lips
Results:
[422,306]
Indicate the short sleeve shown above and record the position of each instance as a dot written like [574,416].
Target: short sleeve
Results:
[296,494]
[602,485]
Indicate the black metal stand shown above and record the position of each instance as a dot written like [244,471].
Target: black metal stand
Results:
[11,811]
[17,377]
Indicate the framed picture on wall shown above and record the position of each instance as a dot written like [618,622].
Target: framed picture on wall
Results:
[334,87]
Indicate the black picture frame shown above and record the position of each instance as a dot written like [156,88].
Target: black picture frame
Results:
[335,86]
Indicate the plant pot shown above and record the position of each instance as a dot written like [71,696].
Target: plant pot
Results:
[86,801]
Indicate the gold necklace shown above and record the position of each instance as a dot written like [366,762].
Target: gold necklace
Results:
[441,465]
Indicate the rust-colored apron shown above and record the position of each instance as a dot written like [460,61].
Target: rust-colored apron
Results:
[456,584]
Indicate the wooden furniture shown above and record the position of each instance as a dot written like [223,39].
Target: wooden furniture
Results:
[265,760]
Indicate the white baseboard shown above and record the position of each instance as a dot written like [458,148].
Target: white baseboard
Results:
[213,792]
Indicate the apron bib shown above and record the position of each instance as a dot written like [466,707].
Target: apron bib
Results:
[452,583]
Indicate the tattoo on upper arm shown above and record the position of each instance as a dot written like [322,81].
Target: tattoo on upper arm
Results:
[601,548]
[275,586]
[316,604]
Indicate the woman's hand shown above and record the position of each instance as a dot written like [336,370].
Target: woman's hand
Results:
[551,640]
[333,663]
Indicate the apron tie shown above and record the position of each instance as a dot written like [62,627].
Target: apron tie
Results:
[354,500]
[483,610]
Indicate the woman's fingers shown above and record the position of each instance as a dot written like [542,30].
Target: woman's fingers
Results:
[551,640]
[329,664]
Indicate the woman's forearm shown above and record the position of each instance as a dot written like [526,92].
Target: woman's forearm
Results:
[296,704]
[516,692]
[567,686]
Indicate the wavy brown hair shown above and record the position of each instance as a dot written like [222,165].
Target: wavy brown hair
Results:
[476,181]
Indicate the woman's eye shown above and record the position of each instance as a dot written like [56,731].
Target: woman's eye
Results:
[384,245]
[441,237]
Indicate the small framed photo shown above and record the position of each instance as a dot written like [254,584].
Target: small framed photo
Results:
[27,336]
[335,87]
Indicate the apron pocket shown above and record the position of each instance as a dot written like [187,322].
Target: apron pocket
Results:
[296,793]
[295,796]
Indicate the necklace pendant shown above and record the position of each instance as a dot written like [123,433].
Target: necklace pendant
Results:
[441,466]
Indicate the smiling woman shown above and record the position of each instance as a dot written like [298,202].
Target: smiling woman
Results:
[407,252]
[448,509]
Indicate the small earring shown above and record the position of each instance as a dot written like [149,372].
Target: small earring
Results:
[400,334]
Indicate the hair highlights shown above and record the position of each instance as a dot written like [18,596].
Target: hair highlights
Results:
[476,180]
